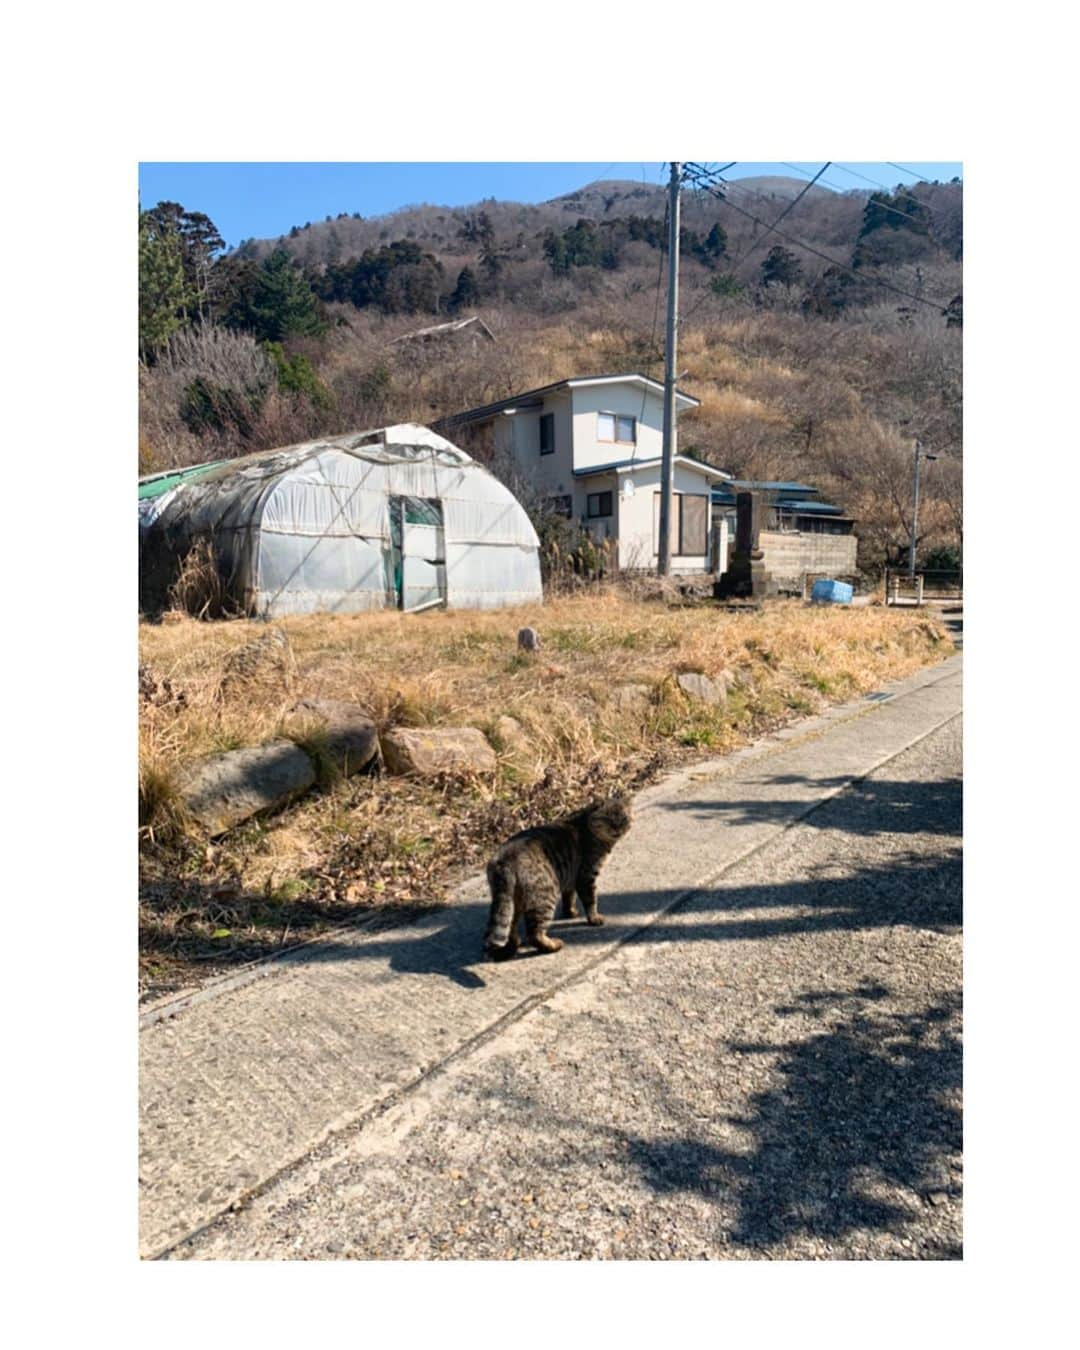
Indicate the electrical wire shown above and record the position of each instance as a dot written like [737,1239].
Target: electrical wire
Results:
[855,174]
[790,207]
[911,171]
[937,303]
[704,221]
[755,242]
[882,206]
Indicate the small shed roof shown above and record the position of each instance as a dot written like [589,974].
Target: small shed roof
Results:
[439,330]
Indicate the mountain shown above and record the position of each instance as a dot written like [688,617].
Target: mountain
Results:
[777,185]
[824,216]
[819,351]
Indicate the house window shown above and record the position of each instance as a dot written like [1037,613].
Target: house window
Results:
[613,427]
[689,525]
[547,433]
[562,506]
[598,504]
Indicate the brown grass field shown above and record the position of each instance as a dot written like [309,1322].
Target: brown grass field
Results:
[378,842]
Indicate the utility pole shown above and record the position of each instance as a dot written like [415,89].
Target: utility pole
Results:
[915,512]
[667,467]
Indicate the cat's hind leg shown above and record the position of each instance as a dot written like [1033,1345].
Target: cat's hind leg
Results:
[501,939]
[569,905]
[539,912]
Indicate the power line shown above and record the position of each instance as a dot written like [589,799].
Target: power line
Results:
[875,181]
[790,207]
[919,176]
[704,221]
[883,206]
[938,304]
[755,242]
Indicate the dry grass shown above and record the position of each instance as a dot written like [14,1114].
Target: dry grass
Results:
[370,840]
[198,589]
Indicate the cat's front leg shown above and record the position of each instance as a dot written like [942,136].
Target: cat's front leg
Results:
[587,891]
[569,905]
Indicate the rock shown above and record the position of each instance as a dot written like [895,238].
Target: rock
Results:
[351,737]
[222,790]
[631,697]
[267,658]
[159,692]
[509,732]
[432,751]
[701,688]
[528,639]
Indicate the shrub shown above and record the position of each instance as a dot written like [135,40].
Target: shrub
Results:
[296,375]
[209,407]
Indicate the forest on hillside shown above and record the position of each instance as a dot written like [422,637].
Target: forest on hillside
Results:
[820,351]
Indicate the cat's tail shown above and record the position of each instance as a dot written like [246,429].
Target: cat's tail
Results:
[502,881]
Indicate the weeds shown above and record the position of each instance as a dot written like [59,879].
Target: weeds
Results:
[370,841]
[198,589]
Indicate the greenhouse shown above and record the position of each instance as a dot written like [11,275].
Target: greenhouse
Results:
[397,518]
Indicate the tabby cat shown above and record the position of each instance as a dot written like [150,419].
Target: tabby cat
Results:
[532,871]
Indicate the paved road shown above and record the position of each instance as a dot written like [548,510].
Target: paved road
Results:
[766,1067]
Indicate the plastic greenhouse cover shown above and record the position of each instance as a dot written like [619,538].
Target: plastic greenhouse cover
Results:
[310,527]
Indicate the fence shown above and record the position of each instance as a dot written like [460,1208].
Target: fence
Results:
[933,584]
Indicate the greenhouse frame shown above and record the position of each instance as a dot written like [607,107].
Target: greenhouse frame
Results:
[395,518]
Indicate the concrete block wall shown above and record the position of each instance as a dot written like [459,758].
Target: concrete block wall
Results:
[789,555]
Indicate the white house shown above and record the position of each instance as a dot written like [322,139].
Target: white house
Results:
[592,445]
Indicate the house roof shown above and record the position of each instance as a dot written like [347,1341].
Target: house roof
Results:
[811,508]
[532,398]
[752,485]
[629,465]
[789,498]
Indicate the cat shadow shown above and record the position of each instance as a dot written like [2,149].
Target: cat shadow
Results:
[453,951]
[430,956]
[435,954]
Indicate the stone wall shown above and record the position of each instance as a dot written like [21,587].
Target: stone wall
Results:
[788,556]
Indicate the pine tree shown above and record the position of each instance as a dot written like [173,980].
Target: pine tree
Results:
[715,245]
[164,295]
[780,266]
[901,210]
[283,304]
[199,243]
[466,292]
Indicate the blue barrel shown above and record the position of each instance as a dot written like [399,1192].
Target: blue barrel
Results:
[832,593]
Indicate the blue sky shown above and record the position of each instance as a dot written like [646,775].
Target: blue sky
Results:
[263,200]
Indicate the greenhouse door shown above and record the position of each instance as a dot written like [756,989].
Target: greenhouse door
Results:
[422,574]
